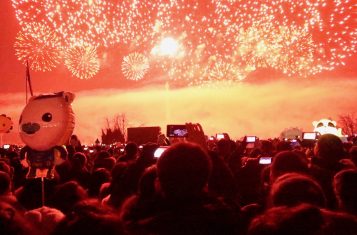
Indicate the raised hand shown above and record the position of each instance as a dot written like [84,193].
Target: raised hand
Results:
[195,134]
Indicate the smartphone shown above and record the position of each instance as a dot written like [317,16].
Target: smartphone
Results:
[309,136]
[219,136]
[158,152]
[176,131]
[294,143]
[6,146]
[265,160]
[251,139]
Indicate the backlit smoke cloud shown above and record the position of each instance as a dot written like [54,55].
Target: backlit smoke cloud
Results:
[248,109]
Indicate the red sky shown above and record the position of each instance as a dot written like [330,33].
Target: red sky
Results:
[12,71]
[248,108]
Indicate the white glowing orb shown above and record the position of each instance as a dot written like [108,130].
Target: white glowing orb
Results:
[167,47]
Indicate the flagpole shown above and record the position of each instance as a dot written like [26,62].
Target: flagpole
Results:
[29,77]
[28,80]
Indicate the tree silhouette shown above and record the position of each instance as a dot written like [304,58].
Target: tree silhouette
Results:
[115,130]
[291,133]
[348,123]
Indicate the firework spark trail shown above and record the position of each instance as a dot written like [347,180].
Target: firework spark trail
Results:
[88,21]
[39,45]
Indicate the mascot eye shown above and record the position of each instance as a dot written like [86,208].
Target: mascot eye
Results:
[47,117]
[320,124]
[330,124]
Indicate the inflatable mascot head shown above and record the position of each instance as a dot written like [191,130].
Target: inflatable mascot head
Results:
[327,126]
[5,124]
[47,121]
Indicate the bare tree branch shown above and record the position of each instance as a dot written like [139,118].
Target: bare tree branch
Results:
[348,123]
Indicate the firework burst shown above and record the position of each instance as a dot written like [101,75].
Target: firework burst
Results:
[82,61]
[86,21]
[39,45]
[135,66]
[222,70]
[298,38]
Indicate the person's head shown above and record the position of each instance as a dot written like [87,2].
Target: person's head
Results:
[98,177]
[287,162]
[283,146]
[339,223]
[5,183]
[107,163]
[45,219]
[224,148]
[345,187]
[329,149]
[67,195]
[266,146]
[90,218]
[303,219]
[71,151]
[12,222]
[119,186]
[147,182]
[147,153]
[118,171]
[15,160]
[78,160]
[103,154]
[12,154]
[4,167]
[131,149]
[74,141]
[29,195]
[353,154]
[292,189]
[183,170]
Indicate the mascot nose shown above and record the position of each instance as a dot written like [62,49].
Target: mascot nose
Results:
[30,128]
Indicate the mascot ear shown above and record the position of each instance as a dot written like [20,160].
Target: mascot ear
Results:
[314,123]
[69,97]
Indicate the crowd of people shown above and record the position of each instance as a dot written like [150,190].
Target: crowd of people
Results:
[196,186]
